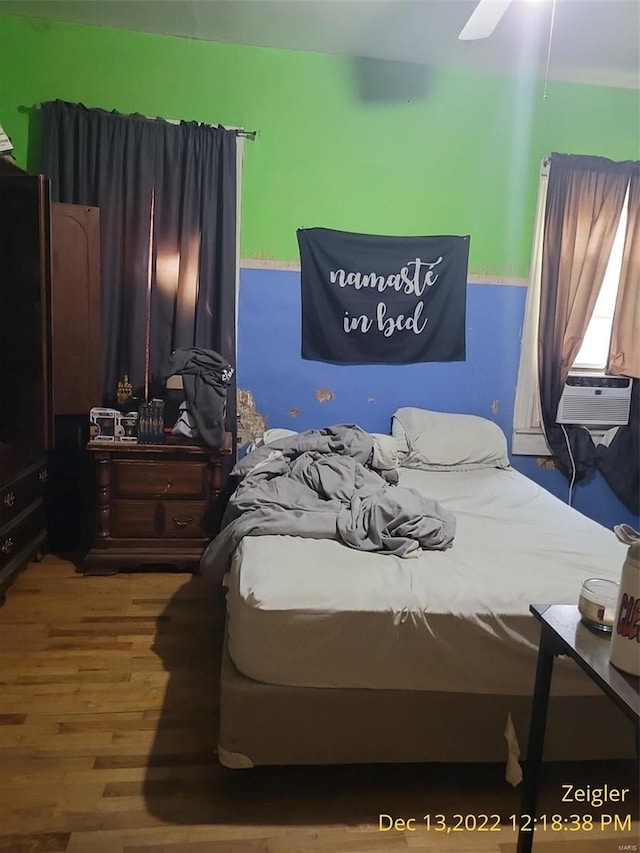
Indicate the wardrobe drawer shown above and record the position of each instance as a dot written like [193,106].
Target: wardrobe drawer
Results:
[159,479]
[16,496]
[19,535]
[148,519]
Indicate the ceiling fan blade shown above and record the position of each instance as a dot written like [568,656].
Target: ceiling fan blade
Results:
[484,19]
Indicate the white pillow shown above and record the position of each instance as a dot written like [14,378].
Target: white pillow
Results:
[276,434]
[441,441]
[268,436]
[385,452]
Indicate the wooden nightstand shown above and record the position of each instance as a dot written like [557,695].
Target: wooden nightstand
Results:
[155,503]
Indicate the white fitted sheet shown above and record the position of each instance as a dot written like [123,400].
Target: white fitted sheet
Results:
[315,613]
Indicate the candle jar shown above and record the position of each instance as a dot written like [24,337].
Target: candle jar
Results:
[597,603]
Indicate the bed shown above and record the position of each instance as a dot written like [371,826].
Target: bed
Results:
[337,655]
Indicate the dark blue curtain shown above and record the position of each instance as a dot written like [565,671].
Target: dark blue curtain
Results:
[167,199]
[619,461]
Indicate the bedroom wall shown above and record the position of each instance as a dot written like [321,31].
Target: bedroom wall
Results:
[355,145]
[296,394]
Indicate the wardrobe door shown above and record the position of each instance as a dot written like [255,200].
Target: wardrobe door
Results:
[75,296]
[77,369]
[25,357]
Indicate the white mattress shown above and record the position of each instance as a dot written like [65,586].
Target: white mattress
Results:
[314,613]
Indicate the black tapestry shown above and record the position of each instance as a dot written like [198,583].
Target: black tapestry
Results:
[370,299]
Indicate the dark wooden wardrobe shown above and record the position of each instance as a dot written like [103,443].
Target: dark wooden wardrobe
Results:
[76,370]
[49,354]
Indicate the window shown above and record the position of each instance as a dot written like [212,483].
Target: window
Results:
[595,346]
[528,436]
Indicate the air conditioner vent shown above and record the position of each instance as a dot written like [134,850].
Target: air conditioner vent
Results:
[592,400]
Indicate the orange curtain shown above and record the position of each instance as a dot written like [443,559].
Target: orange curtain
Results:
[624,351]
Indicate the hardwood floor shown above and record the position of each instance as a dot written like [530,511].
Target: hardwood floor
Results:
[108,718]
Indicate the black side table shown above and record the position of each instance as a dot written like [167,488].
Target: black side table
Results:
[563,634]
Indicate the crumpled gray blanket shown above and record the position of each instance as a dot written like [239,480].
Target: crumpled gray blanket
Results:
[320,484]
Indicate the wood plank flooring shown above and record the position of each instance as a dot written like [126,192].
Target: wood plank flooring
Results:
[108,719]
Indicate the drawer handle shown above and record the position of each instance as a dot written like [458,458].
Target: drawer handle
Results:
[9,499]
[43,476]
[152,482]
[7,545]
[182,522]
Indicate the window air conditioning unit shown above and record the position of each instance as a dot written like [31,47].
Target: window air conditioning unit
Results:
[595,400]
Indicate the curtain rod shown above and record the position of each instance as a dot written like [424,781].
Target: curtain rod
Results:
[240,131]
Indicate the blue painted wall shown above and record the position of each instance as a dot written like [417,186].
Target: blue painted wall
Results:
[285,387]
[592,496]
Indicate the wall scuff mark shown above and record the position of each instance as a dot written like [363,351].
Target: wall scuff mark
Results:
[251,424]
[294,413]
[495,407]
[546,462]
[324,396]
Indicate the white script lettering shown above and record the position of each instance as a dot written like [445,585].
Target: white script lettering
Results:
[389,325]
[350,324]
[409,280]
[430,277]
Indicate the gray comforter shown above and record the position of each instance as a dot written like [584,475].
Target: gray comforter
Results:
[320,484]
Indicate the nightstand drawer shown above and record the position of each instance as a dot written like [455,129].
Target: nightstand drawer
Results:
[159,479]
[184,519]
[19,494]
[135,519]
[147,519]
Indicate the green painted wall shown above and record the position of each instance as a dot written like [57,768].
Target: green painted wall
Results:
[460,154]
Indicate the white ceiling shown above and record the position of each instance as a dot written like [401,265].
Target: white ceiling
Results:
[594,41]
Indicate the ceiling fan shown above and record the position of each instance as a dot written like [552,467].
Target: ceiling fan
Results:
[484,19]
